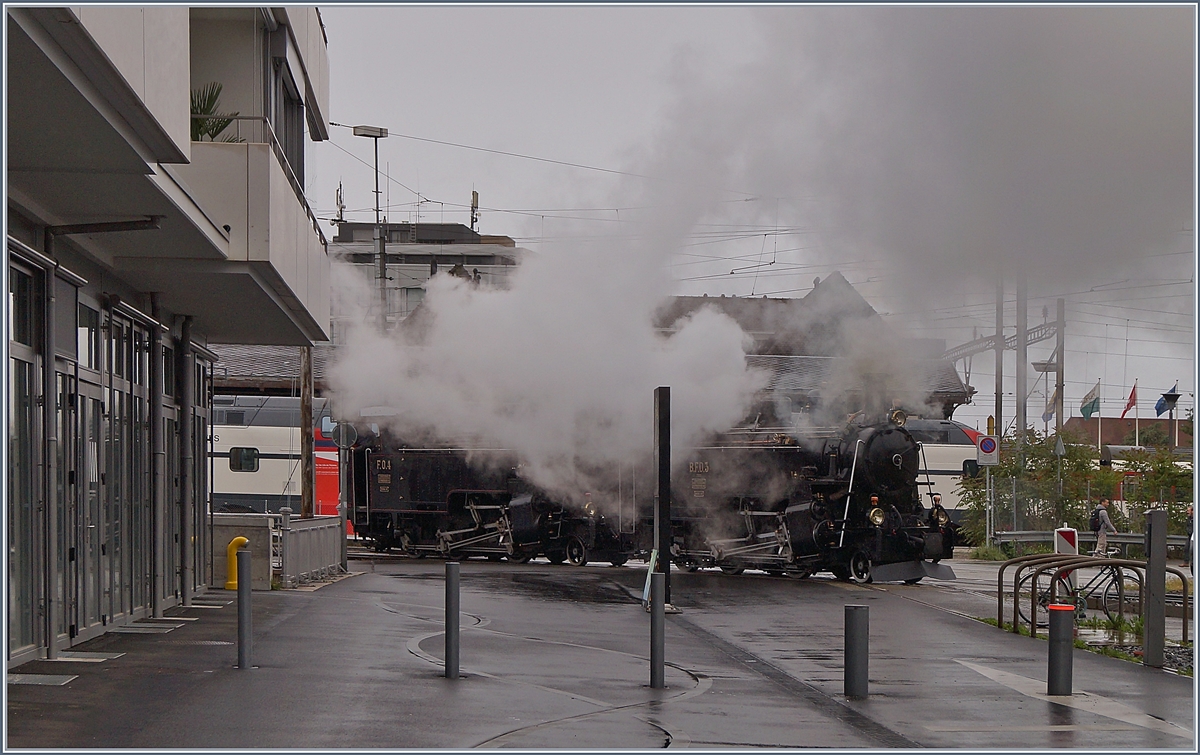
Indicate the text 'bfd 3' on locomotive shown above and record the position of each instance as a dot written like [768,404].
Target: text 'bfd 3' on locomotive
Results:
[849,504]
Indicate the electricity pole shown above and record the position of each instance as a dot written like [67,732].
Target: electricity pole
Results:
[377,133]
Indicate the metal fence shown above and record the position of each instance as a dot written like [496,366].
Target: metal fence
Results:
[1121,539]
[310,549]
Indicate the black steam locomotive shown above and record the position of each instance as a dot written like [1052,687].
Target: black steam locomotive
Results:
[459,503]
[847,503]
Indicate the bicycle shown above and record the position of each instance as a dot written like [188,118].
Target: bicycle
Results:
[1111,586]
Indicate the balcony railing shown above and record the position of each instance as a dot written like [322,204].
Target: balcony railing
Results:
[256,129]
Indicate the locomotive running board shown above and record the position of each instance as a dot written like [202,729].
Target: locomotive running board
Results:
[906,570]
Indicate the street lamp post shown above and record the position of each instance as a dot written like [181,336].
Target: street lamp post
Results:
[377,133]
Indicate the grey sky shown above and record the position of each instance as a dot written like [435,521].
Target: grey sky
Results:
[911,148]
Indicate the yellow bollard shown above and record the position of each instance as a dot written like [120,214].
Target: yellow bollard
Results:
[231,561]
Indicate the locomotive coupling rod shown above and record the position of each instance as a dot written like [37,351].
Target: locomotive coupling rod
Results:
[857,651]
[452,611]
[658,592]
[1062,648]
[245,634]
[231,562]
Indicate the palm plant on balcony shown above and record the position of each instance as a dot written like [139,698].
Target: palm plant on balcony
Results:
[207,120]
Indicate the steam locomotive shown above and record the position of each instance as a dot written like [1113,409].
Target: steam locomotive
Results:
[458,503]
[847,502]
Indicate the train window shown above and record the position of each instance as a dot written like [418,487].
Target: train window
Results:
[958,437]
[243,459]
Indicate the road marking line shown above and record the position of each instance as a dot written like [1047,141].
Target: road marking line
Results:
[1085,701]
[982,727]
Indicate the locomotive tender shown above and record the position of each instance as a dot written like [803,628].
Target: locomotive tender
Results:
[458,502]
[844,501]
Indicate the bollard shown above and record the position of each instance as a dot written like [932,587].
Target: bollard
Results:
[231,563]
[243,602]
[1062,649]
[857,651]
[1154,629]
[452,619]
[658,600]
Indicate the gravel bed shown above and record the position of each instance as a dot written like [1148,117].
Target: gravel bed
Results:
[1175,657]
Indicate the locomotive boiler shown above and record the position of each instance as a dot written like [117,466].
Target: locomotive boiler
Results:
[847,503]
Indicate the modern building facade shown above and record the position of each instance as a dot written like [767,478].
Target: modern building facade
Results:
[136,234]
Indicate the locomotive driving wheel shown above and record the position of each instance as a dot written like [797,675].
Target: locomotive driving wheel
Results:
[577,552]
[860,568]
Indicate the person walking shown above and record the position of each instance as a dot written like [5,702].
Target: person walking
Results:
[1101,526]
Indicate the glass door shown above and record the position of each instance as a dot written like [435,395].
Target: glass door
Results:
[89,569]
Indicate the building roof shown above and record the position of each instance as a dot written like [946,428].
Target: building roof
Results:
[272,370]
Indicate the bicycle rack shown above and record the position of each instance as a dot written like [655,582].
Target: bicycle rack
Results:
[1141,587]
[1063,563]
[1071,563]
[1021,562]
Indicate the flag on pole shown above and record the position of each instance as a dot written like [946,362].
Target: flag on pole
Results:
[1132,402]
[1091,402]
[1161,406]
[1051,406]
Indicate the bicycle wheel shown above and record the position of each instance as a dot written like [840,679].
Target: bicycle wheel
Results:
[1064,593]
[1041,614]
[1115,589]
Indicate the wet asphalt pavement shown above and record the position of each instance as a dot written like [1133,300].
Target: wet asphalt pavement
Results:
[556,657]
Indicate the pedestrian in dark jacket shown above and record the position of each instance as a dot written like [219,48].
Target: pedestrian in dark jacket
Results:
[1106,526]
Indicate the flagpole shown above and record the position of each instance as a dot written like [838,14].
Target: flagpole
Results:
[1136,438]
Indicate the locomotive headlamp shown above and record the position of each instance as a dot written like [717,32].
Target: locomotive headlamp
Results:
[942,516]
[876,516]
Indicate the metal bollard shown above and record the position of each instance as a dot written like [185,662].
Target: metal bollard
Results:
[858,637]
[1062,649]
[231,564]
[658,601]
[244,615]
[1154,631]
[452,610]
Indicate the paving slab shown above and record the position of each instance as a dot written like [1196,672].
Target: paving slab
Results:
[556,657]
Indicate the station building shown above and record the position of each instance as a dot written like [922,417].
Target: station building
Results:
[140,230]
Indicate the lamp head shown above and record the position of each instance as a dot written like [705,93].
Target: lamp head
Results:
[375,132]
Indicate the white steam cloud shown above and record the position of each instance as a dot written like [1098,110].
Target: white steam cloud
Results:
[560,367]
[946,142]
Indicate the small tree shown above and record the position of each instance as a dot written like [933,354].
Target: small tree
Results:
[1154,436]
[206,101]
[1162,482]
[1041,505]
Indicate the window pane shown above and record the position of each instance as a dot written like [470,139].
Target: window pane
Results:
[88,336]
[21,506]
[20,307]
[168,371]
[243,459]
